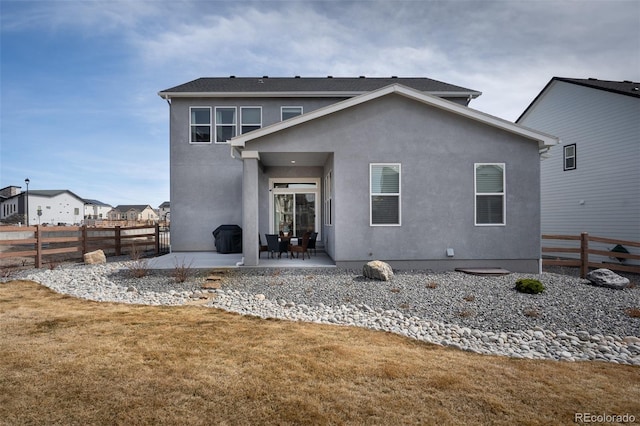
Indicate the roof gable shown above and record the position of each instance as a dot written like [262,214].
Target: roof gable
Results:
[129,207]
[626,88]
[52,193]
[543,139]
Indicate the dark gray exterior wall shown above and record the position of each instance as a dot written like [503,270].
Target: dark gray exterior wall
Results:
[437,151]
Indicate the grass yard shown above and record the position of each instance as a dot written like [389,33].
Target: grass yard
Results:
[70,361]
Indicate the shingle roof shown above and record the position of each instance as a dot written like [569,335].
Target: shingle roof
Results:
[51,193]
[127,207]
[341,85]
[622,87]
[96,203]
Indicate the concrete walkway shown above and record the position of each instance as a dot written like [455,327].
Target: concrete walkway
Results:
[206,260]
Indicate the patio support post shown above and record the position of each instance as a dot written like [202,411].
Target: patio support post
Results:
[250,207]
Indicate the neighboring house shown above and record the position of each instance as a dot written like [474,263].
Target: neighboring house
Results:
[395,169]
[10,208]
[52,207]
[164,211]
[96,210]
[140,213]
[591,182]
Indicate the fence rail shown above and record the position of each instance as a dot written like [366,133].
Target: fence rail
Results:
[39,241]
[567,254]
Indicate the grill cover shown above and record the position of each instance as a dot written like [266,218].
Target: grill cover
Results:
[228,239]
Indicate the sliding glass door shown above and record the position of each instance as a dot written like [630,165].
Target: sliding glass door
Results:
[294,206]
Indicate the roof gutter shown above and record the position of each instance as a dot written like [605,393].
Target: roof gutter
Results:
[296,94]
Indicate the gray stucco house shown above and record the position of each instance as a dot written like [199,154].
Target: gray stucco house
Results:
[394,169]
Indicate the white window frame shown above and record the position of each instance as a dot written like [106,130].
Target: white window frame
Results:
[273,191]
[503,194]
[242,124]
[389,194]
[191,125]
[282,108]
[216,125]
[328,198]
[565,157]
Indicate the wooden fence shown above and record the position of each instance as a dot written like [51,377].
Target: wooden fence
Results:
[578,249]
[74,241]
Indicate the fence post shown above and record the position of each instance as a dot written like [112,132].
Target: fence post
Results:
[584,254]
[118,240]
[38,247]
[157,239]
[84,239]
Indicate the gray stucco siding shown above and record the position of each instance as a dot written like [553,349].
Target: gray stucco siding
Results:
[437,151]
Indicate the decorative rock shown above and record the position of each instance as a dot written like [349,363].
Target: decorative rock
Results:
[95,257]
[606,278]
[377,270]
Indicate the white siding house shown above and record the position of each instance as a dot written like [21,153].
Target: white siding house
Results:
[94,209]
[591,180]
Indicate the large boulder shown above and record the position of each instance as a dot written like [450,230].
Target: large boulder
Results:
[377,270]
[606,278]
[95,257]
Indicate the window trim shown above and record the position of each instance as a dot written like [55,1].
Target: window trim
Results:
[503,194]
[328,198]
[234,125]
[191,125]
[390,194]
[565,157]
[290,106]
[242,124]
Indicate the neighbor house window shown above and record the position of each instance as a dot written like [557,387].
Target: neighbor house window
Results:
[570,157]
[490,194]
[328,199]
[288,112]
[384,197]
[200,125]
[225,123]
[250,119]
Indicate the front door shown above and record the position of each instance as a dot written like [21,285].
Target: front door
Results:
[294,204]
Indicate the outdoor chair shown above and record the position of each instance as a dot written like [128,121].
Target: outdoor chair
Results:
[302,248]
[312,243]
[273,245]
[261,248]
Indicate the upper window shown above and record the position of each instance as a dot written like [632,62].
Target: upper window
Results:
[490,194]
[250,119]
[200,125]
[288,112]
[225,123]
[384,197]
[570,157]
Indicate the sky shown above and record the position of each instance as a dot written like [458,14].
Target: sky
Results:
[79,108]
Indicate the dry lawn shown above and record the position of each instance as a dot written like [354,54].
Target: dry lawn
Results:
[69,361]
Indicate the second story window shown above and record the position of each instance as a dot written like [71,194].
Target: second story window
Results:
[200,123]
[288,112]
[570,157]
[225,123]
[250,119]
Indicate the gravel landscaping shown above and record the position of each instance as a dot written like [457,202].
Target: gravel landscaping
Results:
[570,320]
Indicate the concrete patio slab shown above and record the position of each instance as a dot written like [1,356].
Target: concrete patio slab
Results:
[206,260]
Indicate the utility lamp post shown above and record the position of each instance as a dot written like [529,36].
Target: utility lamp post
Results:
[27,200]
